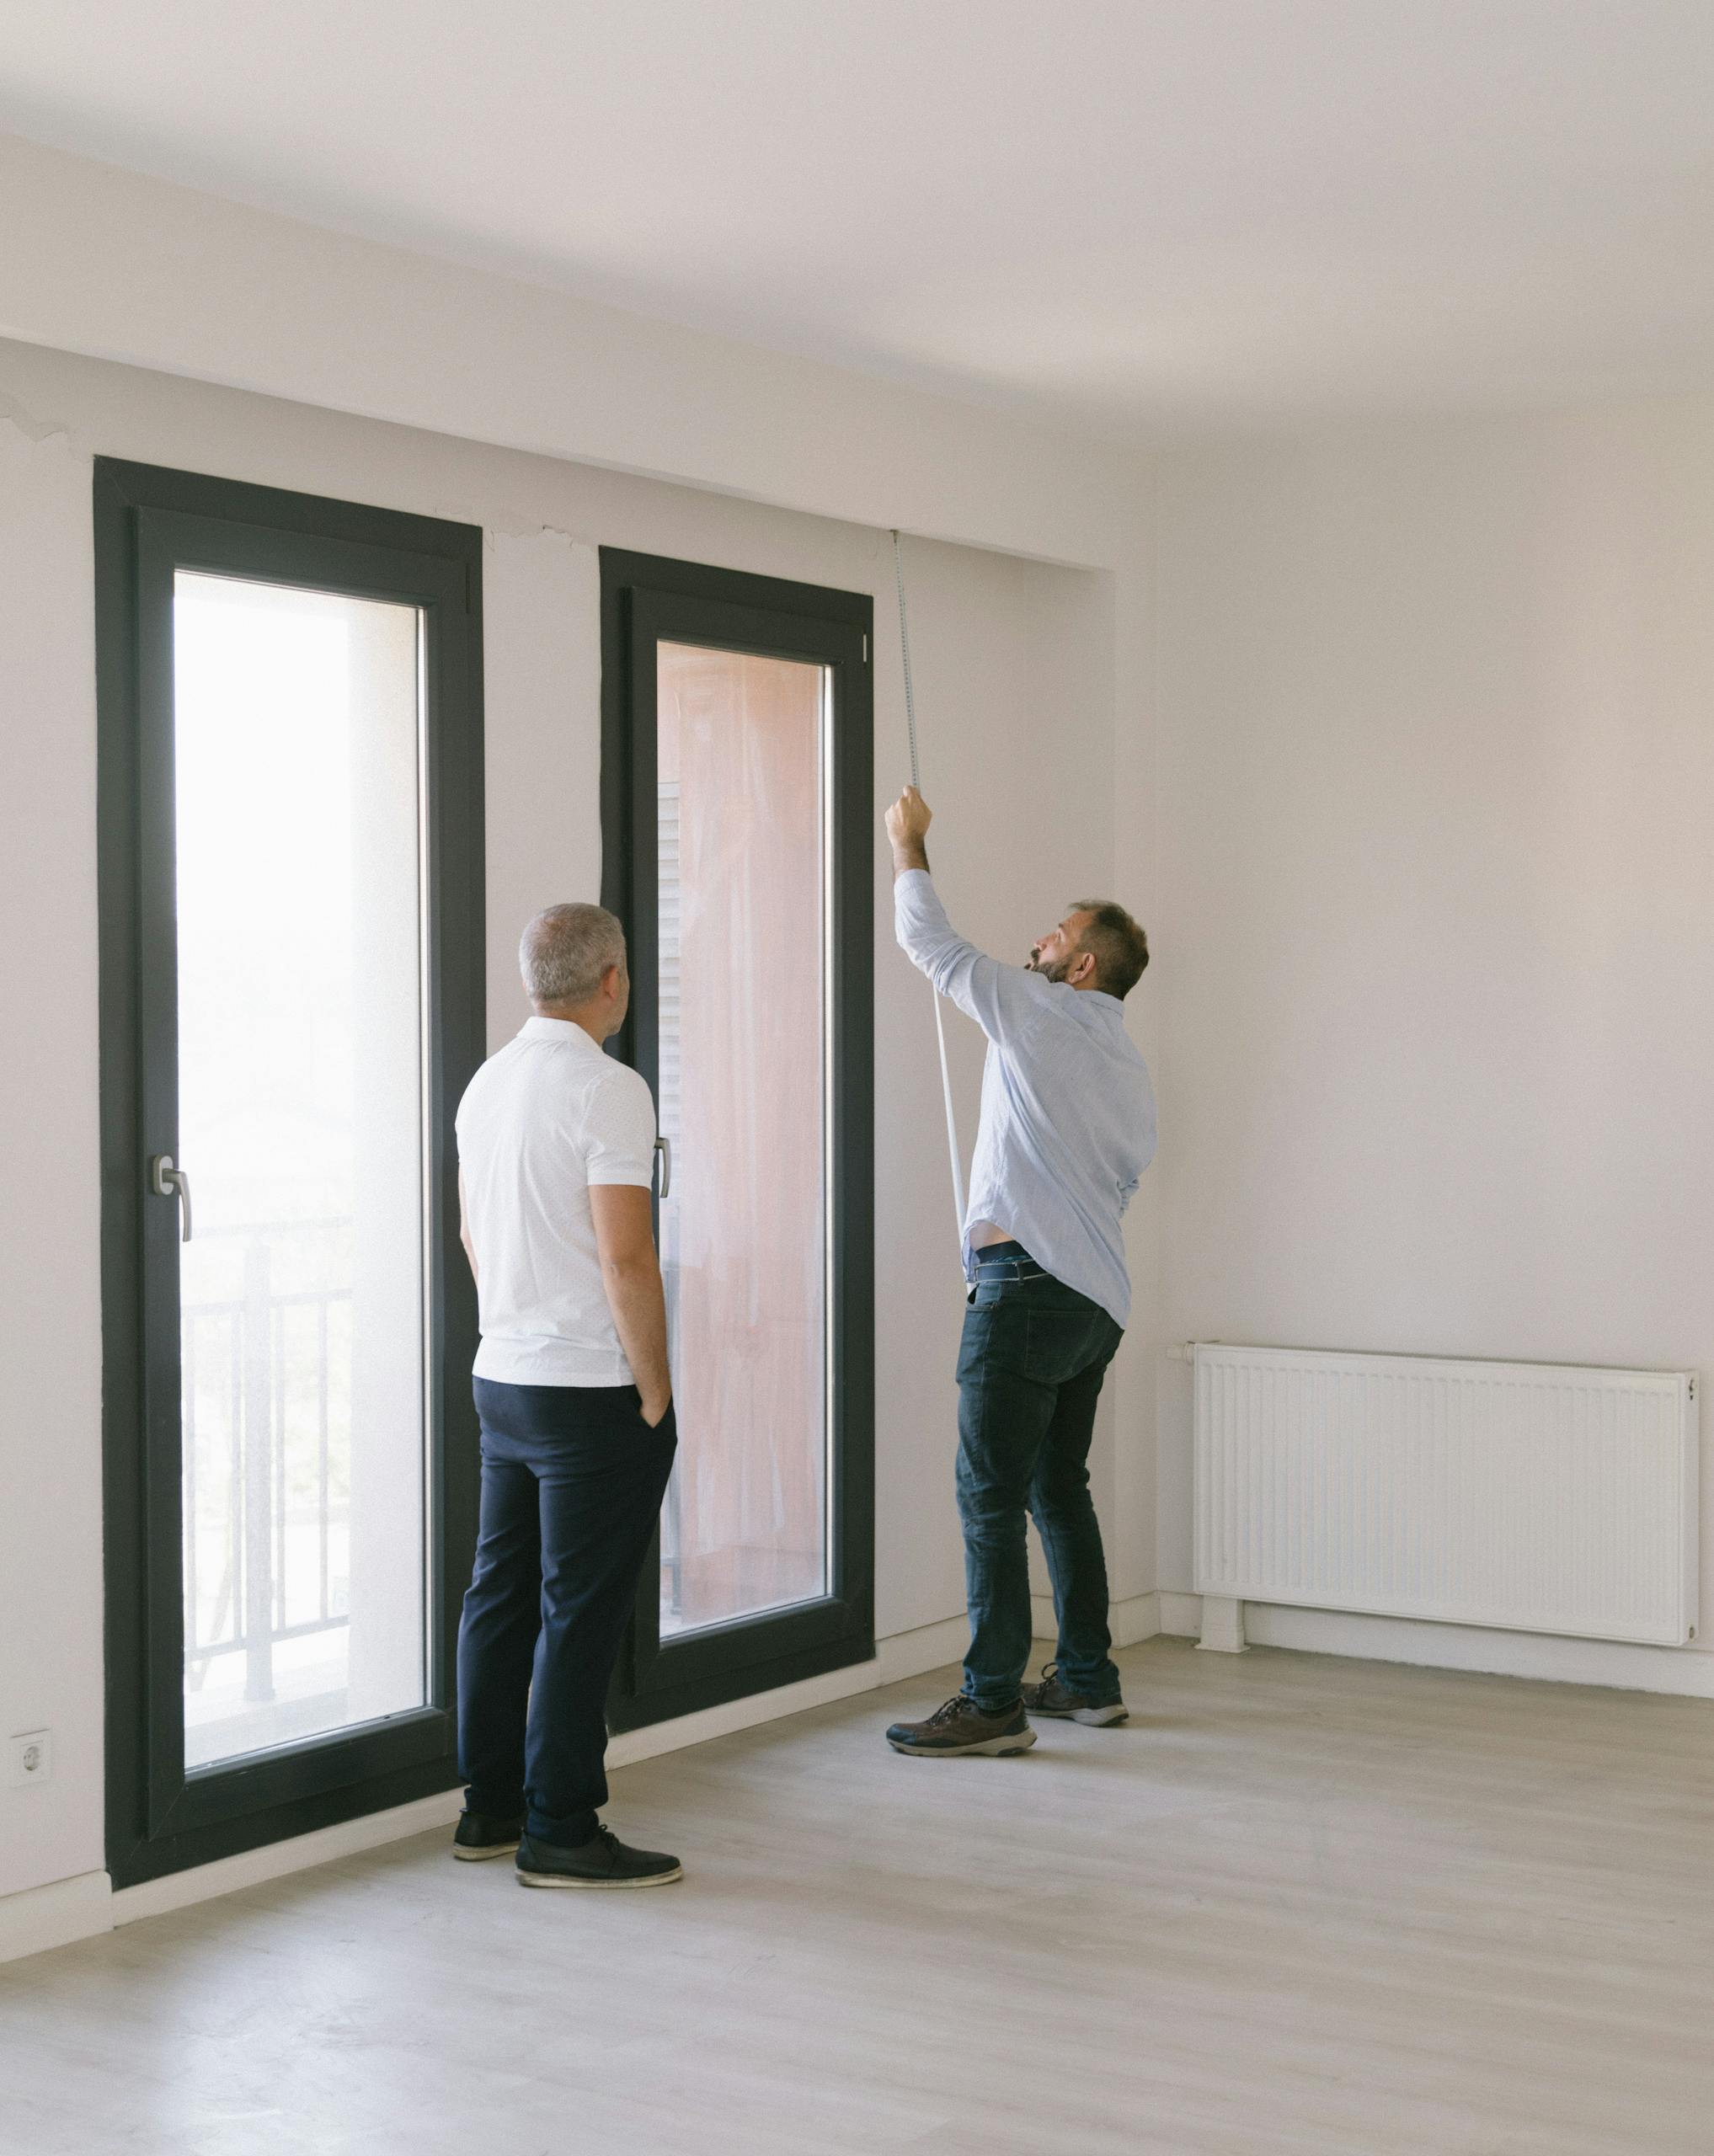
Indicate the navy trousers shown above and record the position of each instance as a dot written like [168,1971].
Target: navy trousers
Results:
[572,1480]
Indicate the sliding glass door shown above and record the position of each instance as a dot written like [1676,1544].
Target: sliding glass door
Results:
[737,794]
[292,977]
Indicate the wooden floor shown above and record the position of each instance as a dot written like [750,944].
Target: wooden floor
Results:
[1296,1904]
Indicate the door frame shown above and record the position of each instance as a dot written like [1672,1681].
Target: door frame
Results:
[148,522]
[645,599]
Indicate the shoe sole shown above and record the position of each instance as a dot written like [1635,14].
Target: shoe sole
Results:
[481,1856]
[1091,1717]
[605,1885]
[990,1747]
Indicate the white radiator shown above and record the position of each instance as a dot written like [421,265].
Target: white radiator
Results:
[1531,1496]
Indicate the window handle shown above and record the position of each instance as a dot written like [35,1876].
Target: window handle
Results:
[662,1147]
[166,1181]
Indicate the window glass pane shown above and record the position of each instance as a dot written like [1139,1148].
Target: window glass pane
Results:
[741,767]
[297,732]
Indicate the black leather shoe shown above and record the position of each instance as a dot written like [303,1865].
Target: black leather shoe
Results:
[475,1836]
[603,1860]
[960,1729]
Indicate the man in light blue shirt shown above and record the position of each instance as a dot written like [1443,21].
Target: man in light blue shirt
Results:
[1068,1127]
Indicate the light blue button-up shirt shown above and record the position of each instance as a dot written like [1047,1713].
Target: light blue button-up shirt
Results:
[1067,1112]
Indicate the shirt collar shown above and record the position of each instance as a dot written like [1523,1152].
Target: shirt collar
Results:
[538,1028]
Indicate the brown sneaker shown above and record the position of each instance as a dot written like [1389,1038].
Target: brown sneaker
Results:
[961,1728]
[1053,1698]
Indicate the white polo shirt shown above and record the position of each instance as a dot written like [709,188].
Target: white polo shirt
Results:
[540,1123]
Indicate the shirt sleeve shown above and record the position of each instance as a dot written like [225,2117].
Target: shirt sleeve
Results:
[619,1144]
[1002,1000]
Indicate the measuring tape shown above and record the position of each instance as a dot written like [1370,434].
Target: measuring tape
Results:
[946,1075]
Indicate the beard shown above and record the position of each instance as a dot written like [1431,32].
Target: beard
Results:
[1048,971]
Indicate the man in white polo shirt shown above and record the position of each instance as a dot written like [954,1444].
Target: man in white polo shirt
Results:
[556,1151]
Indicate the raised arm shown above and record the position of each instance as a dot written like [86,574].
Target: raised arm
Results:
[1002,1000]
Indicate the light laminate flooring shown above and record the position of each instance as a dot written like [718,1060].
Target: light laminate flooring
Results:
[1295,1904]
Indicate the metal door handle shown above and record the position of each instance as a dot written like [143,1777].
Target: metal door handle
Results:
[663,1147]
[166,1181]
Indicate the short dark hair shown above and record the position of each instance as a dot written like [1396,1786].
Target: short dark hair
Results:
[1117,944]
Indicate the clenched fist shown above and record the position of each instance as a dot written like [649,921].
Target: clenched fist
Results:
[908,820]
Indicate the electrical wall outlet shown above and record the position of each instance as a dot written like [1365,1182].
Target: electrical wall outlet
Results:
[32,1758]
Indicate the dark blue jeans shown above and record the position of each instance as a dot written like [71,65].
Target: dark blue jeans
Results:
[572,1480]
[1030,1368]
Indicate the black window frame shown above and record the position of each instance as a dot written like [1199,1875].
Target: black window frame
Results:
[148,521]
[646,598]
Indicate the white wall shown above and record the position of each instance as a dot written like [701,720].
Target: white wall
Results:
[107,262]
[1014,663]
[1436,738]
[51,1602]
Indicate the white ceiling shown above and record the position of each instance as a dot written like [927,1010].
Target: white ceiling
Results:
[1139,214]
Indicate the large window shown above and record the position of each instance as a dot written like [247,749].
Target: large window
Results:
[738,843]
[292,984]
[742,775]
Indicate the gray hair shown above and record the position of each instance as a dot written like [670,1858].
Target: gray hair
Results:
[565,951]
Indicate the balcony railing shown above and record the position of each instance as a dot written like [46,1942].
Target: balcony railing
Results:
[272,1538]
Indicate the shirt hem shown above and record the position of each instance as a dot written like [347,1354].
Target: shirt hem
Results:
[993,1215]
[580,1380]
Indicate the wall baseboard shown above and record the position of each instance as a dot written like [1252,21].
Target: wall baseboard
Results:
[1136,1619]
[1687,1672]
[67,1910]
[1181,1615]
[55,1915]
[204,1882]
